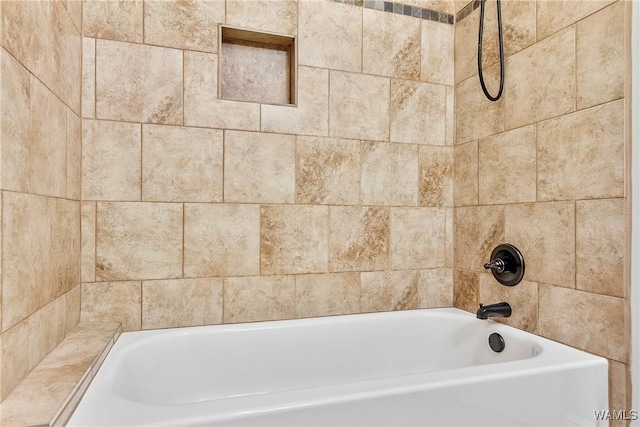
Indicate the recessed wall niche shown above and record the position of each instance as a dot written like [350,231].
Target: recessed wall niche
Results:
[257,67]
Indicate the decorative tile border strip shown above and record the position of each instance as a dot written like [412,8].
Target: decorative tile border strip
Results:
[402,9]
[466,11]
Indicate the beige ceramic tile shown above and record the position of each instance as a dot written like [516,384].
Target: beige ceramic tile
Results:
[450,116]
[88,233]
[519,32]
[437,52]
[250,299]
[65,247]
[603,334]
[465,174]
[74,7]
[221,240]
[323,26]
[358,106]
[476,116]
[255,73]
[36,401]
[177,303]
[259,167]
[138,83]
[26,34]
[477,231]
[459,4]
[327,294]
[278,16]
[358,238]
[466,290]
[46,330]
[48,144]
[66,57]
[327,171]
[82,346]
[545,234]
[190,24]
[112,302]
[426,127]
[417,238]
[136,241]
[465,53]
[444,6]
[436,176]
[113,19]
[75,351]
[14,125]
[617,386]
[67,244]
[74,155]
[507,167]
[110,160]
[65,414]
[600,246]
[449,237]
[294,239]
[389,290]
[390,45]
[581,155]
[181,164]
[43,229]
[88,77]
[523,299]
[14,352]
[556,15]
[311,114]
[435,287]
[600,57]
[72,306]
[542,80]
[389,174]
[201,106]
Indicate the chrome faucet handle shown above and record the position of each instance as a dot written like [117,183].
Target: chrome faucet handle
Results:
[497,265]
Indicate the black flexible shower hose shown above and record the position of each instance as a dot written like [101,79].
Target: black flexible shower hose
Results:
[501,46]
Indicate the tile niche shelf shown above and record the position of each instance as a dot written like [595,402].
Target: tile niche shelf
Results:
[257,67]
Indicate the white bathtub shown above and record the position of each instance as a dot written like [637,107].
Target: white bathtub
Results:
[420,367]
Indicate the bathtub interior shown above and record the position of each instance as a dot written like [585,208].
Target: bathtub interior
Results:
[423,367]
[197,364]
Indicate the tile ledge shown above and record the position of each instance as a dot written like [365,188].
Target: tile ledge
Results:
[52,390]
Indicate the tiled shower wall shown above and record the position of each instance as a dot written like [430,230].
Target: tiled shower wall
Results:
[544,169]
[40,181]
[198,210]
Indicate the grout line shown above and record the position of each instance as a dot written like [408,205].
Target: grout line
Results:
[575,67]
[260,239]
[362,41]
[95,81]
[224,138]
[141,161]
[95,242]
[184,119]
[575,246]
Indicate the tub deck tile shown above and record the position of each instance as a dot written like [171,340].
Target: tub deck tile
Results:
[50,393]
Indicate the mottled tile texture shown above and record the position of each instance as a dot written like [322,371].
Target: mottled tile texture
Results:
[202,191]
[40,179]
[342,203]
[545,168]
